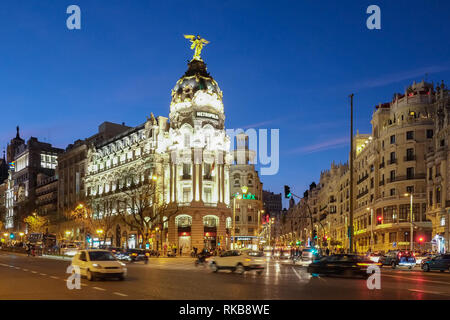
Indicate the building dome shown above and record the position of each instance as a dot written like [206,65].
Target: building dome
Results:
[196,89]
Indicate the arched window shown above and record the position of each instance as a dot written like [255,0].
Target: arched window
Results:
[228,223]
[183,220]
[237,179]
[250,179]
[210,221]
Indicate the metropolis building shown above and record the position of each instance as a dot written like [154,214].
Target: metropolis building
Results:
[186,154]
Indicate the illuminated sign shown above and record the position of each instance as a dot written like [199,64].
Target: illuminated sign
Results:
[202,114]
[245,196]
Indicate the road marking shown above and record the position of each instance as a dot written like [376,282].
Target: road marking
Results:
[17,268]
[431,292]
[33,271]
[25,269]
[416,279]
[97,288]
[43,274]
[53,277]
[298,276]
[120,294]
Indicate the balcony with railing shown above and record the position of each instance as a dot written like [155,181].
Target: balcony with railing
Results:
[363,178]
[362,194]
[410,158]
[407,177]
[392,161]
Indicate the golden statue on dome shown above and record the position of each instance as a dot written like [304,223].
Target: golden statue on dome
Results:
[197,45]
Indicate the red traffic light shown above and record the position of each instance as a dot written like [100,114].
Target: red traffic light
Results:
[420,239]
[380,218]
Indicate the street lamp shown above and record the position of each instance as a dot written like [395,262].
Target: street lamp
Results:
[412,230]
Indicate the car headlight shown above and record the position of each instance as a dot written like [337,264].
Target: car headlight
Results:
[95,265]
[122,264]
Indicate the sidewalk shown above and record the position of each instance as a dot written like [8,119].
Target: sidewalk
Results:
[44,256]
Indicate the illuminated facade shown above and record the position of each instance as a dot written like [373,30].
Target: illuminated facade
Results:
[249,206]
[389,165]
[438,173]
[189,158]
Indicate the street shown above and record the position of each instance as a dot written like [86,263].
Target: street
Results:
[25,277]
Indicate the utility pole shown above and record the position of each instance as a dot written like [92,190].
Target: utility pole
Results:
[350,227]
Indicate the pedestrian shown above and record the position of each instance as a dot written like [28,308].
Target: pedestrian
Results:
[181,251]
[195,251]
[328,252]
[28,249]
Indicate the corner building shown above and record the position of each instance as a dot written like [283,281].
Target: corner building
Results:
[189,155]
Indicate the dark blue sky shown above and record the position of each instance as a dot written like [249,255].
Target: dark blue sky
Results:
[281,64]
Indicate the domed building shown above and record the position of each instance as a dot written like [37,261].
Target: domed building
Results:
[184,157]
[197,163]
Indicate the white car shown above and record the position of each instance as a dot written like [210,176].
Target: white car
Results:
[69,249]
[98,264]
[238,262]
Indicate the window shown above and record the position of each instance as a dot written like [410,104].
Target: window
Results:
[186,170]
[392,236]
[237,218]
[430,199]
[392,191]
[249,218]
[430,173]
[186,195]
[442,143]
[410,189]
[410,173]
[392,175]
[442,223]
[409,154]
[438,195]
[429,134]
[83,256]
[208,195]
[207,170]
[392,156]
[409,135]
[393,139]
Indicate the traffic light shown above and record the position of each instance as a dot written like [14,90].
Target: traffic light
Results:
[421,240]
[379,218]
[11,235]
[287,192]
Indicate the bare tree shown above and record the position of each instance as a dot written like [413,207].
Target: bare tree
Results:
[100,223]
[141,205]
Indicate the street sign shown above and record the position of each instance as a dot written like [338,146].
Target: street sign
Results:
[394,244]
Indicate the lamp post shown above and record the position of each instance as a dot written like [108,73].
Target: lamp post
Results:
[259,224]
[412,228]
[371,228]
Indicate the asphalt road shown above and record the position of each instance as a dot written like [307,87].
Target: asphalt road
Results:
[24,277]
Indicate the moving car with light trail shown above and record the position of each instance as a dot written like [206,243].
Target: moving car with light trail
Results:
[348,265]
[308,256]
[96,263]
[237,262]
[440,262]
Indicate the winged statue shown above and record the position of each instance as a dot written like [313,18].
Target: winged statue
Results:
[197,45]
